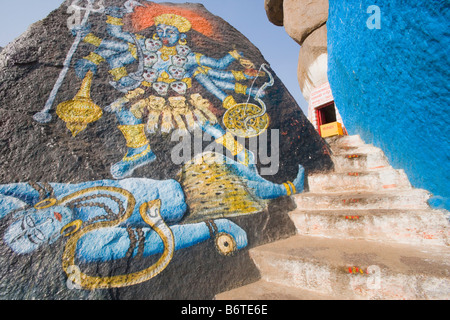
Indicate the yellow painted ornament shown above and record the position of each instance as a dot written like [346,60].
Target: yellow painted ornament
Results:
[81,110]
[246,120]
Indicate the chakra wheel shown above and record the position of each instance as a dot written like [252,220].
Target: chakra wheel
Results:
[225,244]
[246,120]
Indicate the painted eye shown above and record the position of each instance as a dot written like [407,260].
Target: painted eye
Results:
[38,234]
[29,222]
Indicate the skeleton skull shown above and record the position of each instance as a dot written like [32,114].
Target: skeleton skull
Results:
[179,61]
[176,72]
[183,50]
[179,87]
[150,59]
[150,75]
[153,45]
[161,87]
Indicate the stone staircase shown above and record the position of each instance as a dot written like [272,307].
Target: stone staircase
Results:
[363,233]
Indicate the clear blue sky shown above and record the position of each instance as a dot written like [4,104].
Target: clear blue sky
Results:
[247,16]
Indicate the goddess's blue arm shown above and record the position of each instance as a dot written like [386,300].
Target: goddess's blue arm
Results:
[209,85]
[226,75]
[117,53]
[222,63]
[198,59]
[115,24]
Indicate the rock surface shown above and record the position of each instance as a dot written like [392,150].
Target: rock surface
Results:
[75,176]
[313,62]
[305,22]
[274,10]
[301,18]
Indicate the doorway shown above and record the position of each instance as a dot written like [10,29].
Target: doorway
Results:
[326,114]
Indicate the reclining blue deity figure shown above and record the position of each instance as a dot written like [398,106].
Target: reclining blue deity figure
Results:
[108,220]
[160,86]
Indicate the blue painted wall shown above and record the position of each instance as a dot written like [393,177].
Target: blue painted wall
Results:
[391,84]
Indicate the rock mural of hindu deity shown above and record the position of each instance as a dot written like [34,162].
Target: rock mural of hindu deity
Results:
[94,201]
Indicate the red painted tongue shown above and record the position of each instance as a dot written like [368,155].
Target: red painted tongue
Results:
[57,215]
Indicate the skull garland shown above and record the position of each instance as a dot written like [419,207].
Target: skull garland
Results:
[179,87]
[155,66]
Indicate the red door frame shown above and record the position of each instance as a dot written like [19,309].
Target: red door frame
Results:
[319,120]
[319,115]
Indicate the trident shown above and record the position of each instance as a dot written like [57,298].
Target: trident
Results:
[43,116]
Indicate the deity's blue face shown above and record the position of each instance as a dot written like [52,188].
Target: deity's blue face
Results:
[169,35]
[34,228]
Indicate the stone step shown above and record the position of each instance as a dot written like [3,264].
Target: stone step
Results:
[364,148]
[345,142]
[388,179]
[390,270]
[418,227]
[360,160]
[262,290]
[403,199]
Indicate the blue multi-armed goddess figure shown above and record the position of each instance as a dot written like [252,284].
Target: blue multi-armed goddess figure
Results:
[159,89]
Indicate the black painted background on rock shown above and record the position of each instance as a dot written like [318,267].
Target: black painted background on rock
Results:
[30,151]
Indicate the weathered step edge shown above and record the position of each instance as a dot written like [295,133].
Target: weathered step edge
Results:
[388,179]
[385,199]
[416,227]
[363,161]
[322,265]
[263,290]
